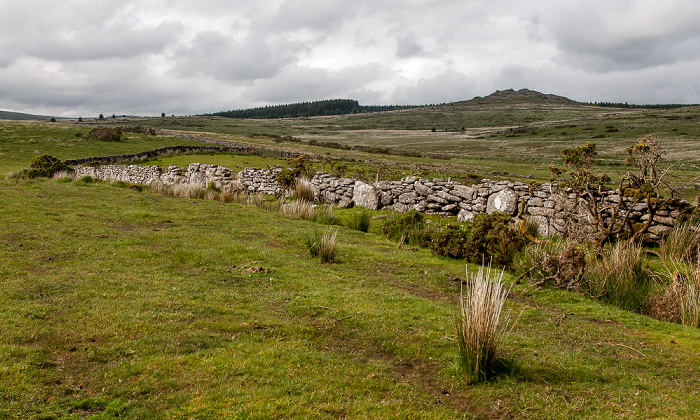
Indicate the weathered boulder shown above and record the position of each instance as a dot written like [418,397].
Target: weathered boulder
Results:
[422,189]
[504,201]
[366,196]
[463,191]
[465,216]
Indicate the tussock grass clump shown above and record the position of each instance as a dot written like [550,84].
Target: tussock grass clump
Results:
[322,245]
[302,209]
[409,227]
[304,190]
[682,244]
[326,216]
[690,300]
[64,176]
[680,300]
[360,221]
[620,277]
[188,191]
[480,333]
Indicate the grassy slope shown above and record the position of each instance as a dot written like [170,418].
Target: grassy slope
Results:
[119,302]
[116,302]
[21,141]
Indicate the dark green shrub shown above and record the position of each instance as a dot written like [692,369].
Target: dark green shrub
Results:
[408,227]
[106,134]
[46,166]
[286,178]
[488,238]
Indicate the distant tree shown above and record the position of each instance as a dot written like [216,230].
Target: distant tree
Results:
[53,119]
[114,116]
[162,114]
[80,119]
[102,117]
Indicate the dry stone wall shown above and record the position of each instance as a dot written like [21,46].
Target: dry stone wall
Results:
[551,209]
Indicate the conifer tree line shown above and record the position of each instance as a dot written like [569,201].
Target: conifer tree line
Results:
[308,109]
[627,105]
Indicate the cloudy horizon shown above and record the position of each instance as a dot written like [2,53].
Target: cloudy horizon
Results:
[83,58]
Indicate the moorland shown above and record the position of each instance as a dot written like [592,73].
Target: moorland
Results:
[119,301]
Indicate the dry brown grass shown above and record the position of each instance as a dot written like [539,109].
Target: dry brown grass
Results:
[304,190]
[480,333]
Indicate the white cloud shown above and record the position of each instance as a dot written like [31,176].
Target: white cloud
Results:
[178,56]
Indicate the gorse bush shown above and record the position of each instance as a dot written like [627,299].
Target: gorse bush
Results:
[489,237]
[106,134]
[561,263]
[45,166]
[480,333]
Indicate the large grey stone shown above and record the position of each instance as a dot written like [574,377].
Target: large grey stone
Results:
[451,208]
[660,230]
[408,198]
[422,189]
[465,216]
[504,201]
[436,199]
[463,191]
[448,196]
[387,199]
[366,196]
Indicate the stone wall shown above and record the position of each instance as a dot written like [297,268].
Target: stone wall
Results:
[550,209]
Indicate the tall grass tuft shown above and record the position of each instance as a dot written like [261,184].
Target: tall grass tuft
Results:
[304,190]
[189,191]
[682,244]
[690,300]
[326,216]
[302,209]
[620,277]
[322,245]
[360,221]
[479,335]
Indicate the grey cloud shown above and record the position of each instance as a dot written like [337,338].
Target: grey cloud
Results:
[213,54]
[299,83]
[605,36]
[447,86]
[408,47]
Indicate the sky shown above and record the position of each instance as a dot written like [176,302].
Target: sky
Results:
[85,57]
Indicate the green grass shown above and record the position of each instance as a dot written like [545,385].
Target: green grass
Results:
[22,141]
[114,301]
[118,302]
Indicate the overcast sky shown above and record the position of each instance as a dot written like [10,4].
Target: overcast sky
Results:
[85,57]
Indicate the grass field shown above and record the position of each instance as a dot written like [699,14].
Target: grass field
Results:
[116,302]
[122,303]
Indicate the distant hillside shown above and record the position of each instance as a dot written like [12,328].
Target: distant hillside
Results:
[518,98]
[9,115]
[308,109]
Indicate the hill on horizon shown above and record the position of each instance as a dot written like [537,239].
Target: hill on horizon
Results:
[21,116]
